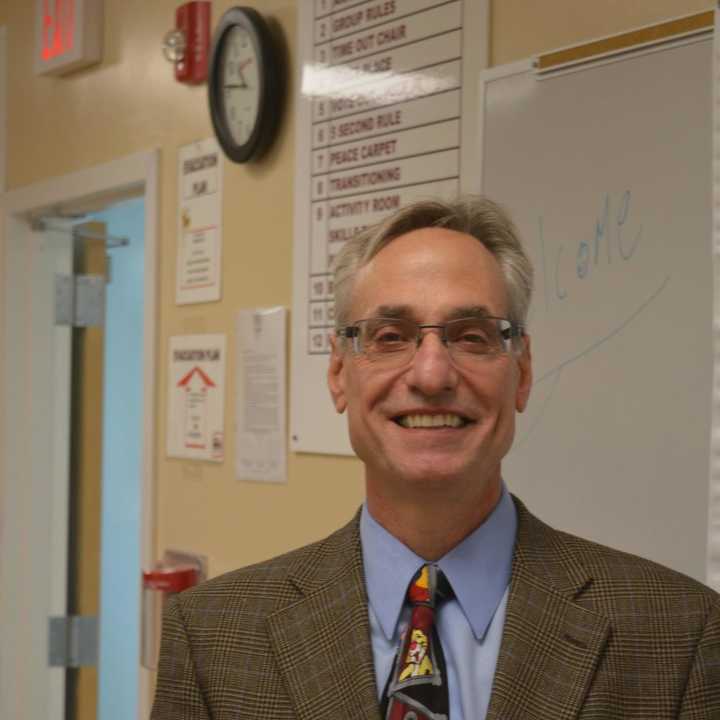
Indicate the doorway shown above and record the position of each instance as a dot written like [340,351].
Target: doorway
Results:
[38,461]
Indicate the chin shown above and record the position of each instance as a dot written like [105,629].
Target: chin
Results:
[429,472]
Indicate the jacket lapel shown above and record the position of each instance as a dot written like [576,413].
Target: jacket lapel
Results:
[551,645]
[322,641]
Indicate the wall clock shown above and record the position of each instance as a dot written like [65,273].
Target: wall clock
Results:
[244,84]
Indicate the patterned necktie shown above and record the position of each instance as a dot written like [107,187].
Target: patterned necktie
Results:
[417,686]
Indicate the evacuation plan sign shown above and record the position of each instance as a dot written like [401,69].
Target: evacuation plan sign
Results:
[196,397]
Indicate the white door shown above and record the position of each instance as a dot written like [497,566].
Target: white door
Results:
[36,414]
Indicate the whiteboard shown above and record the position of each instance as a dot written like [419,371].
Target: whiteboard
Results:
[607,171]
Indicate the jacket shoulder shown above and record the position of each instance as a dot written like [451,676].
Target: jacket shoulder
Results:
[624,569]
[606,577]
[276,580]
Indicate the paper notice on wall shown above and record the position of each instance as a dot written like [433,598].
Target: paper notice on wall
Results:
[196,397]
[261,443]
[199,222]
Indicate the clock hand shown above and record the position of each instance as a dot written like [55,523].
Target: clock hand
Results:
[241,66]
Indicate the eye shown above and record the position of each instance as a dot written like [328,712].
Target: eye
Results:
[473,337]
[387,335]
[477,336]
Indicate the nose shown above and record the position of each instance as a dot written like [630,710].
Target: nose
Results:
[432,371]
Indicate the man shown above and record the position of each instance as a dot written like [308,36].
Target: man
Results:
[507,617]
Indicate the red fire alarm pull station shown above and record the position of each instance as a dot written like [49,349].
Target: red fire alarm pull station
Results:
[188,45]
[159,584]
[170,579]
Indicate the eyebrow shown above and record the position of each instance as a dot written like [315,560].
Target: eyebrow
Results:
[470,311]
[395,311]
[406,312]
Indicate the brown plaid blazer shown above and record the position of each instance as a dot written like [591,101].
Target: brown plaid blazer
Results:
[590,633]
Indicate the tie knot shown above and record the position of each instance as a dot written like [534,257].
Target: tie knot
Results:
[429,587]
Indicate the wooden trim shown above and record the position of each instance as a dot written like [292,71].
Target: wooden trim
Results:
[3,108]
[625,41]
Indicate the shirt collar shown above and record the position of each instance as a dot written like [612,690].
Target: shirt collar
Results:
[478,568]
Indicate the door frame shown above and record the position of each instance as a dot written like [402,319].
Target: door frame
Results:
[3,105]
[136,174]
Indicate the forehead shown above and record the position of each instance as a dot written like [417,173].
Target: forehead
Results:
[431,271]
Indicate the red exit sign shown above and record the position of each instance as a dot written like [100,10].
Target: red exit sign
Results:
[68,34]
[58,28]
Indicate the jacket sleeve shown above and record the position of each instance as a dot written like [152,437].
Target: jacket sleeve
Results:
[178,695]
[701,700]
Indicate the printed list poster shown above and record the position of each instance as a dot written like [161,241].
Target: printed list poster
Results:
[385,117]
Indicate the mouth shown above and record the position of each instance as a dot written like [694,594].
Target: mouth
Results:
[431,420]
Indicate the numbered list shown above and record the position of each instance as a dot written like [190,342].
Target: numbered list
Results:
[386,112]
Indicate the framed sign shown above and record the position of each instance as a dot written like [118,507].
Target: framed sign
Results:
[385,116]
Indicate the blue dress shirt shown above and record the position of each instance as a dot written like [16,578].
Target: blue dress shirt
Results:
[469,625]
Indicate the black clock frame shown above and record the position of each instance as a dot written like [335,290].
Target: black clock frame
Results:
[269,77]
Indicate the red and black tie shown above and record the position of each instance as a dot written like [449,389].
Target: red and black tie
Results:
[417,686]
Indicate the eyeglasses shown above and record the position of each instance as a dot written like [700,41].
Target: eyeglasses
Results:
[396,340]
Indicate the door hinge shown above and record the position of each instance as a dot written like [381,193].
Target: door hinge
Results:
[80,300]
[73,641]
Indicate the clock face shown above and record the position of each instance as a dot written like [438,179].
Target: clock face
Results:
[240,83]
[245,84]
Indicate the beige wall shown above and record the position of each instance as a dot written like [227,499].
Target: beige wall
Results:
[521,28]
[130,102]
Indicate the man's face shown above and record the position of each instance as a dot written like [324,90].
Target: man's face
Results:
[430,275]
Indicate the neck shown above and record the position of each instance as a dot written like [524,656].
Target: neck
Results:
[430,526]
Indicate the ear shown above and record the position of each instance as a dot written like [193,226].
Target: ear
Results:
[336,375]
[524,362]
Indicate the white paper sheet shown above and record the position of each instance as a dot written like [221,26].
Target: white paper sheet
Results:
[261,442]
[199,225]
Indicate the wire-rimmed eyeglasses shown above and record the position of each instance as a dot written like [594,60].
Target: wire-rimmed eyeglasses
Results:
[396,340]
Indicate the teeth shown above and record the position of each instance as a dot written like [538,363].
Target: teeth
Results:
[431,421]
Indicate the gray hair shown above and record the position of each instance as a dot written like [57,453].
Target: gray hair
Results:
[476,216]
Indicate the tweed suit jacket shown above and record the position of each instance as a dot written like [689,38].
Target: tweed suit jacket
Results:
[590,633]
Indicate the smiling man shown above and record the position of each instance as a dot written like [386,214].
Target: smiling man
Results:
[444,597]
